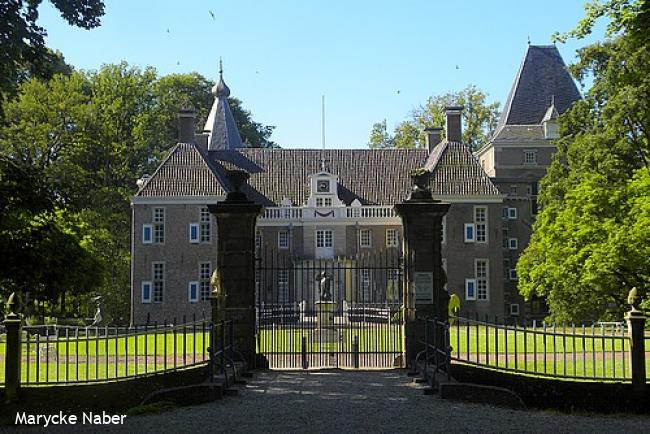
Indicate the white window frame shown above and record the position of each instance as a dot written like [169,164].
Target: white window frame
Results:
[204,281]
[324,235]
[514,309]
[365,238]
[482,279]
[283,240]
[193,286]
[323,202]
[392,238]
[158,224]
[512,274]
[512,213]
[513,243]
[205,225]
[467,238]
[146,300]
[154,281]
[530,161]
[481,224]
[283,286]
[366,285]
[469,282]
[145,239]
[194,238]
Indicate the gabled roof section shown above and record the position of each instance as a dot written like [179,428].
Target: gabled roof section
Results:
[455,172]
[221,125]
[185,171]
[542,78]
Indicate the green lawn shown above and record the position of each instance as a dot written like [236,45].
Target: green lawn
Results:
[378,338]
[591,356]
[105,358]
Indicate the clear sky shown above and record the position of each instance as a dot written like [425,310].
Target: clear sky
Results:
[372,60]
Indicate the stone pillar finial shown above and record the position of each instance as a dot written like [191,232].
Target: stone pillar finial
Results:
[11,302]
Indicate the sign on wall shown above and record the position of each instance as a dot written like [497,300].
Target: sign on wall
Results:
[423,287]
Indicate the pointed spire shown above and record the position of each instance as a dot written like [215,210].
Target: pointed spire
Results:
[221,125]
[220,89]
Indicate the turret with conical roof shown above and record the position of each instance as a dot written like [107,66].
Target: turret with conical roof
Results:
[221,126]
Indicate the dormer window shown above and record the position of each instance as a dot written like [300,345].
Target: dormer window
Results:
[323,202]
[323,191]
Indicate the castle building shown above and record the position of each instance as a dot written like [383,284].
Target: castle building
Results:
[324,205]
[520,151]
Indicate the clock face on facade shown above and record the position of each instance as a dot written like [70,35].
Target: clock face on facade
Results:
[323,186]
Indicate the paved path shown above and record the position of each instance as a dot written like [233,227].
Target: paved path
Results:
[359,402]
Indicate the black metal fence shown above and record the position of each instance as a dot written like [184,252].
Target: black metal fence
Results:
[358,324]
[580,352]
[74,355]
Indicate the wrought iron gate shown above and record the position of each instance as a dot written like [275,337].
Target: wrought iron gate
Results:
[357,324]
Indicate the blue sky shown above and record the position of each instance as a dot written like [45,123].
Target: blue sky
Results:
[281,56]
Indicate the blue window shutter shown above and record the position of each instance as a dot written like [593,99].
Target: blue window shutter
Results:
[469,232]
[194,233]
[146,292]
[147,231]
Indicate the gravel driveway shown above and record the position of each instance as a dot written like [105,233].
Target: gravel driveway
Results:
[359,402]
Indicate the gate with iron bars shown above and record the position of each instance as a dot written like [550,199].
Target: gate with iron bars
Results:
[343,312]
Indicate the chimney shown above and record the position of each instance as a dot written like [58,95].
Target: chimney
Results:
[433,136]
[454,129]
[186,125]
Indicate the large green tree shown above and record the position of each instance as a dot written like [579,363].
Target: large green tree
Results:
[90,135]
[23,53]
[44,251]
[589,247]
[479,121]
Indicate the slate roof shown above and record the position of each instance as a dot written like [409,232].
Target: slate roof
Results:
[221,125]
[541,79]
[373,176]
[184,172]
[520,133]
[456,172]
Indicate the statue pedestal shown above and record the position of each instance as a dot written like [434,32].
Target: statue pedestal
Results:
[325,331]
[325,313]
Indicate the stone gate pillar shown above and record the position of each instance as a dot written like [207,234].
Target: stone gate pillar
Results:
[236,217]
[424,293]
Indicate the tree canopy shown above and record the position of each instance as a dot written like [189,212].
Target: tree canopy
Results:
[86,137]
[479,121]
[588,247]
[23,53]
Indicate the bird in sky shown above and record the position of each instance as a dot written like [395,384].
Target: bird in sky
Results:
[212,14]
[167,30]
[399,91]
[457,67]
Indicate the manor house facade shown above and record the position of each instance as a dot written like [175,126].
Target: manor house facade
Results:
[333,203]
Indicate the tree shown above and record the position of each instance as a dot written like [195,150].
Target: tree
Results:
[587,249]
[23,53]
[43,252]
[479,119]
[379,136]
[89,136]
